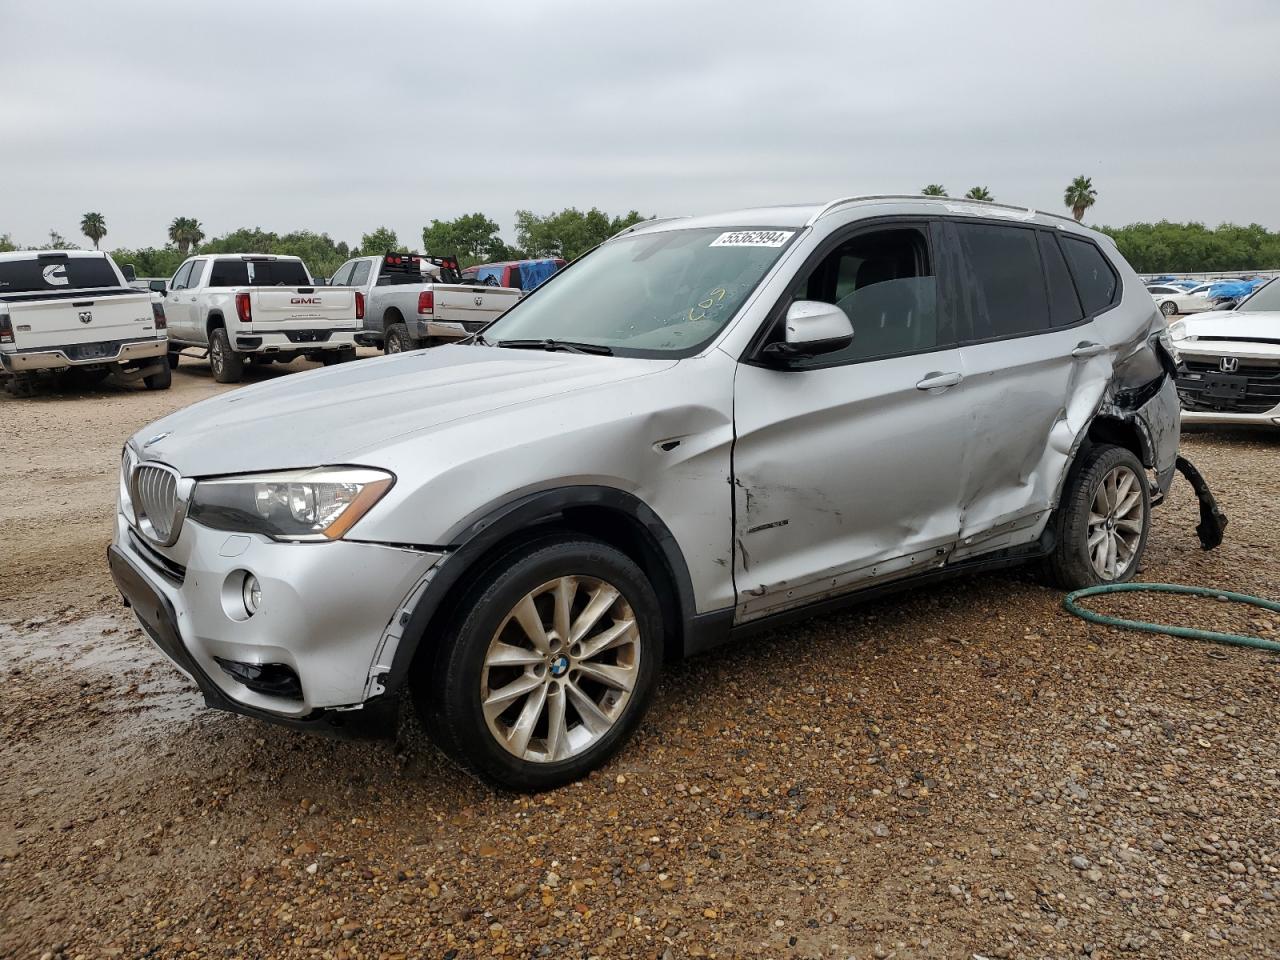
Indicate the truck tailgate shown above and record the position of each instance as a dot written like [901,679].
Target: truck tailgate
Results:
[98,316]
[304,308]
[472,305]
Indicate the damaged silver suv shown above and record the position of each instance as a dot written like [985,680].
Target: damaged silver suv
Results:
[702,427]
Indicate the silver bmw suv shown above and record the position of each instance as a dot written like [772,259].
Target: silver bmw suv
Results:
[702,427]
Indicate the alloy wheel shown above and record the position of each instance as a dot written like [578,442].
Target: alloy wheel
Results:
[560,669]
[215,356]
[1116,522]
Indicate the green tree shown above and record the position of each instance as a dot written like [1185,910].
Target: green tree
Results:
[383,240]
[934,190]
[979,193]
[58,242]
[1166,247]
[569,233]
[150,261]
[94,226]
[187,233]
[473,238]
[7,243]
[317,250]
[1080,196]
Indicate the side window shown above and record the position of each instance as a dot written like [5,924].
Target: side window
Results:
[1095,279]
[179,281]
[884,282]
[1064,305]
[342,275]
[1001,281]
[197,271]
[360,275]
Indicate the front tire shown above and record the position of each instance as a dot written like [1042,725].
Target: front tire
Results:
[547,667]
[226,364]
[1169,308]
[1103,520]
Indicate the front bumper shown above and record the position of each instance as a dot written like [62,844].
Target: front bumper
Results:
[79,355]
[1269,419]
[296,341]
[327,612]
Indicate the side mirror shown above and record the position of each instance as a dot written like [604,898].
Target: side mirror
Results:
[130,274]
[812,328]
[158,286]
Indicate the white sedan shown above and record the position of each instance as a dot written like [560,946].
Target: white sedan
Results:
[1175,300]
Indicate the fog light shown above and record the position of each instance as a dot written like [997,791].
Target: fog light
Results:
[252,594]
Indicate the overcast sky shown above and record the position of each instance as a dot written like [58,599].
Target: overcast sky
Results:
[340,117]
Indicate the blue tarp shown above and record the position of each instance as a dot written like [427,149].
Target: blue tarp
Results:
[535,272]
[1233,289]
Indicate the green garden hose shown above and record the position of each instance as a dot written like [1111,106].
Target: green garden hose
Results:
[1069,602]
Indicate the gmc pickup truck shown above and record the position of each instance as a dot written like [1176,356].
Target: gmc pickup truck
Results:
[414,301]
[249,306]
[71,310]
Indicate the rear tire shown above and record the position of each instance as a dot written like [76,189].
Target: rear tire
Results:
[397,339]
[575,698]
[226,364]
[330,357]
[162,379]
[1102,521]
[1169,308]
[174,356]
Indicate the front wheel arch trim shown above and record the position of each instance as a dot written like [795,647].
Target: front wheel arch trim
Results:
[549,511]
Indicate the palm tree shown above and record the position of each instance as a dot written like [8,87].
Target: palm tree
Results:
[934,190]
[1080,196]
[979,193]
[94,226]
[186,233]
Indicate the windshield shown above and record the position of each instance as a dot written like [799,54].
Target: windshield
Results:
[653,294]
[56,273]
[1266,297]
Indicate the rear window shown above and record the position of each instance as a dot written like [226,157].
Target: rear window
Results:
[1095,279]
[259,273]
[56,273]
[1002,283]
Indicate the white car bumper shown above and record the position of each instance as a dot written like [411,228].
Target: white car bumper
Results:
[83,355]
[299,341]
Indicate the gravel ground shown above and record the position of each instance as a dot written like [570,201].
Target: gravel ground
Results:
[955,771]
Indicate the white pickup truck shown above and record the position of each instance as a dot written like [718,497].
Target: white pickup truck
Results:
[249,306]
[413,301]
[71,310]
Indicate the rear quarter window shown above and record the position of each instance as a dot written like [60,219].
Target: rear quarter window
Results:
[1096,281]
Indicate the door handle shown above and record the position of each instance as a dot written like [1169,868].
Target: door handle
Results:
[1087,348]
[937,380]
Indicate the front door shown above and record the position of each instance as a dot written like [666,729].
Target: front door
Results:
[846,466]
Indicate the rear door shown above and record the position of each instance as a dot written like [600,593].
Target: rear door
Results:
[1033,369]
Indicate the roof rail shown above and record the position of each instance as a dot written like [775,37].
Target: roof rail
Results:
[644,223]
[841,201]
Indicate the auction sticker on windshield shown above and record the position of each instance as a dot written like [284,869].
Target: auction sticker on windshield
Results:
[753,238]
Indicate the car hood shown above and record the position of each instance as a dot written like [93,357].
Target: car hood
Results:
[344,414]
[1263,325]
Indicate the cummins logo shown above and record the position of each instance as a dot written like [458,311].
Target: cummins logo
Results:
[55,275]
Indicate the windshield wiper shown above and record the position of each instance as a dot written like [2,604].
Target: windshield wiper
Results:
[570,346]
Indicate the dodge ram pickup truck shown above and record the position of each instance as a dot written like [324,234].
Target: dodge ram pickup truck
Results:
[414,301]
[71,310]
[249,306]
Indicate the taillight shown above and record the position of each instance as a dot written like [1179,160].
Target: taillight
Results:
[157,311]
[359,305]
[426,302]
[6,329]
[244,310]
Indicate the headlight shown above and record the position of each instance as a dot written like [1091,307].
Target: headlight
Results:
[319,504]
[127,461]
[1178,330]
